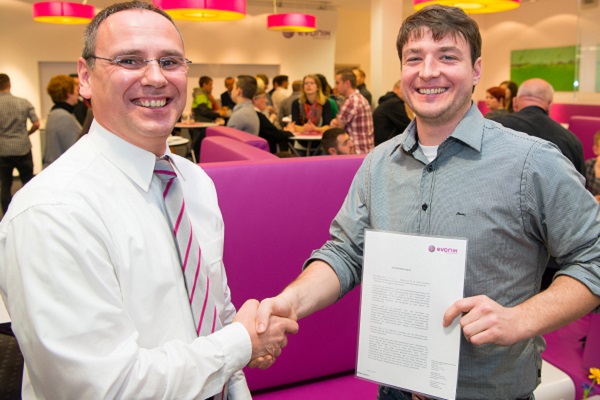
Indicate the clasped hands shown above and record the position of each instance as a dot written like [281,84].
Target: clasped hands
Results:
[268,337]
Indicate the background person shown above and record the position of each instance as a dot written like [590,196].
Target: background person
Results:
[391,117]
[336,141]
[494,100]
[105,301]
[62,129]
[226,100]
[243,116]
[15,147]
[511,90]
[355,116]
[592,169]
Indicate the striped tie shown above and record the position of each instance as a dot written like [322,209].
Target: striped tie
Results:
[197,281]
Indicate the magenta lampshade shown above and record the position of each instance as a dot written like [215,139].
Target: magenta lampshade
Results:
[203,10]
[292,22]
[58,12]
[472,6]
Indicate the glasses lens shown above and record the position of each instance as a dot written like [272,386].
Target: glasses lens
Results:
[173,63]
[130,62]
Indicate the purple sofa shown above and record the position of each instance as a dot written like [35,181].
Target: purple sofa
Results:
[276,213]
[575,349]
[238,135]
[585,128]
[221,148]
[561,112]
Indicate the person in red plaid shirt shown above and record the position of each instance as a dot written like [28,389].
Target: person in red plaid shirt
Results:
[355,116]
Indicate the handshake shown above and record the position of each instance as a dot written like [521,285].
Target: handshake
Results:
[268,324]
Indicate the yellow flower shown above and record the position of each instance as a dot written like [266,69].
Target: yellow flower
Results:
[595,374]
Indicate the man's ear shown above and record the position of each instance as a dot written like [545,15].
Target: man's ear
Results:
[332,151]
[84,73]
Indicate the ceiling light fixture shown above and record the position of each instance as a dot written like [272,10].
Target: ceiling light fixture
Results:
[203,10]
[472,6]
[291,22]
[59,12]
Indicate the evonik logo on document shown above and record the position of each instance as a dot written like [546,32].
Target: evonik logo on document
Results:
[447,250]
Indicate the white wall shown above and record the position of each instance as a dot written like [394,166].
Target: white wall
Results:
[547,23]
[25,43]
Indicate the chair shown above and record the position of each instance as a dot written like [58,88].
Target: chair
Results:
[585,128]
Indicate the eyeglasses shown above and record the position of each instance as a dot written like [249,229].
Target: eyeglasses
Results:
[169,63]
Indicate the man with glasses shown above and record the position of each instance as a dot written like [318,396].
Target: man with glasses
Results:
[108,298]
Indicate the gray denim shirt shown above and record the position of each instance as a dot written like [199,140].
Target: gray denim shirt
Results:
[516,199]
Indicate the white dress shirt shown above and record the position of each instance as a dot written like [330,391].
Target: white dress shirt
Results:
[91,277]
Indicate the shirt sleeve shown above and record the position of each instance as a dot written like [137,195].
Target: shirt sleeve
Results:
[561,213]
[31,113]
[344,251]
[346,112]
[68,314]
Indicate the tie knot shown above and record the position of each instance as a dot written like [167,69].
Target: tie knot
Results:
[163,169]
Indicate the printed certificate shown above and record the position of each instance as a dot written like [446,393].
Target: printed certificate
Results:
[409,281]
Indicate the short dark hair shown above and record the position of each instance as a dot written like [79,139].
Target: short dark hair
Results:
[4,82]
[280,80]
[329,138]
[204,80]
[348,75]
[248,85]
[91,32]
[441,21]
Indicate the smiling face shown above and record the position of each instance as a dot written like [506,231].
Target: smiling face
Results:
[438,79]
[140,106]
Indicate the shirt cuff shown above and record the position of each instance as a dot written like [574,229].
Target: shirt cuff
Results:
[235,343]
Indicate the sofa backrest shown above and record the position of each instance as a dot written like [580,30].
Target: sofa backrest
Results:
[560,112]
[219,149]
[585,128]
[238,135]
[276,213]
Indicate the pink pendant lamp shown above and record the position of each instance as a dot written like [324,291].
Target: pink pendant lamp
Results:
[291,22]
[203,10]
[472,6]
[58,12]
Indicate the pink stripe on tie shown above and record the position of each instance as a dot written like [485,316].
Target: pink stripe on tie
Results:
[176,228]
[195,278]
[187,251]
[204,305]
[167,188]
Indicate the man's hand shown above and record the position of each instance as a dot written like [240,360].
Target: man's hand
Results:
[487,322]
[269,311]
[268,344]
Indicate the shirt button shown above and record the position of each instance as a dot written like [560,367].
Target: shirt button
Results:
[430,168]
[424,207]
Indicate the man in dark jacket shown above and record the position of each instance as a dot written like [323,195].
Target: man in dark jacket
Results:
[531,105]
[390,117]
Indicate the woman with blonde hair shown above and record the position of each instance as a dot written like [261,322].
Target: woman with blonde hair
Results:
[312,111]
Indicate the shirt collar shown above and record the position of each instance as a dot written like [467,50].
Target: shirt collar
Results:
[469,131]
[135,163]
